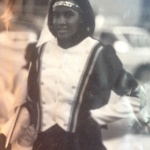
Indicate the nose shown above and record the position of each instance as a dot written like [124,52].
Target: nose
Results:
[62,20]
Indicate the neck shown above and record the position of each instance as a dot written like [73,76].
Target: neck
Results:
[69,42]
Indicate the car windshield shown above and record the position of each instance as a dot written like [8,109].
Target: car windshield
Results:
[138,40]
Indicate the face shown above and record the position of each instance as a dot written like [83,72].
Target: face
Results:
[65,22]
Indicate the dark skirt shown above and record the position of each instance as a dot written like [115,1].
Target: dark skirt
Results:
[56,138]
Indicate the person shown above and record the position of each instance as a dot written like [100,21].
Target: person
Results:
[19,89]
[70,82]
[12,100]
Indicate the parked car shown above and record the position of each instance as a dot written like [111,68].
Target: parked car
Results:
[132,45]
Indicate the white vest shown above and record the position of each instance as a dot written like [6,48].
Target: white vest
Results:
[61,70]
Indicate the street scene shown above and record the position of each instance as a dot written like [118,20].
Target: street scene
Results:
[122,24]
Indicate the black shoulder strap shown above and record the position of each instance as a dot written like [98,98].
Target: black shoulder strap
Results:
[83,83]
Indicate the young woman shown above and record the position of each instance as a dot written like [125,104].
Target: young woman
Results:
[70,82]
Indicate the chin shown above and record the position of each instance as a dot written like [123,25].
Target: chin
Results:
[63,38]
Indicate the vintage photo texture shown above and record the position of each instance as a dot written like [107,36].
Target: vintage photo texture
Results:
[97,96]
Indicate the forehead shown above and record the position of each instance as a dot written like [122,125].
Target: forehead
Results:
[62,9]
[64,2]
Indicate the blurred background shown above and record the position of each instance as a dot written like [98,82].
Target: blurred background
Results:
[123,24]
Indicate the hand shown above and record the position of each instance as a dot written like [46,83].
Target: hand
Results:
[135,104]
[27,137]
[141,93]
[22,124]
[144,127]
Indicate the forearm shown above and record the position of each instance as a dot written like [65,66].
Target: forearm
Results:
[123,108]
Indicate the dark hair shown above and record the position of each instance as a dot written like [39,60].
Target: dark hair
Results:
[87,14]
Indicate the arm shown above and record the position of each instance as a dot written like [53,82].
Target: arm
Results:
[126,85]
[16,126]
[22,123]
[20,134]
[123,108]
[116,78]
[28,135]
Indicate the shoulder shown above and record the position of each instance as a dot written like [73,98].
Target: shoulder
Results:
[108,57]
[107,67]
[107,51]
[88,42]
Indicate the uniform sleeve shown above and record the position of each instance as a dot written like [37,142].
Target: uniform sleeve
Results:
[123,108]
[114,77]
[107,68]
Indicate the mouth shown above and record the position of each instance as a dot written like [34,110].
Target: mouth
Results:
[62,31]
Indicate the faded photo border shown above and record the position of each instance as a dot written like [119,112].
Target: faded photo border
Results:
[122,24]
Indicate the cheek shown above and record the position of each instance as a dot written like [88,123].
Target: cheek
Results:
[54,22]
[76,23]
[76,26]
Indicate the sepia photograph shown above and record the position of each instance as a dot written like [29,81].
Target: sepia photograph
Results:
[74,75]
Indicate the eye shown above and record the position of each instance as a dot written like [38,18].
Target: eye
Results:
[69,14]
